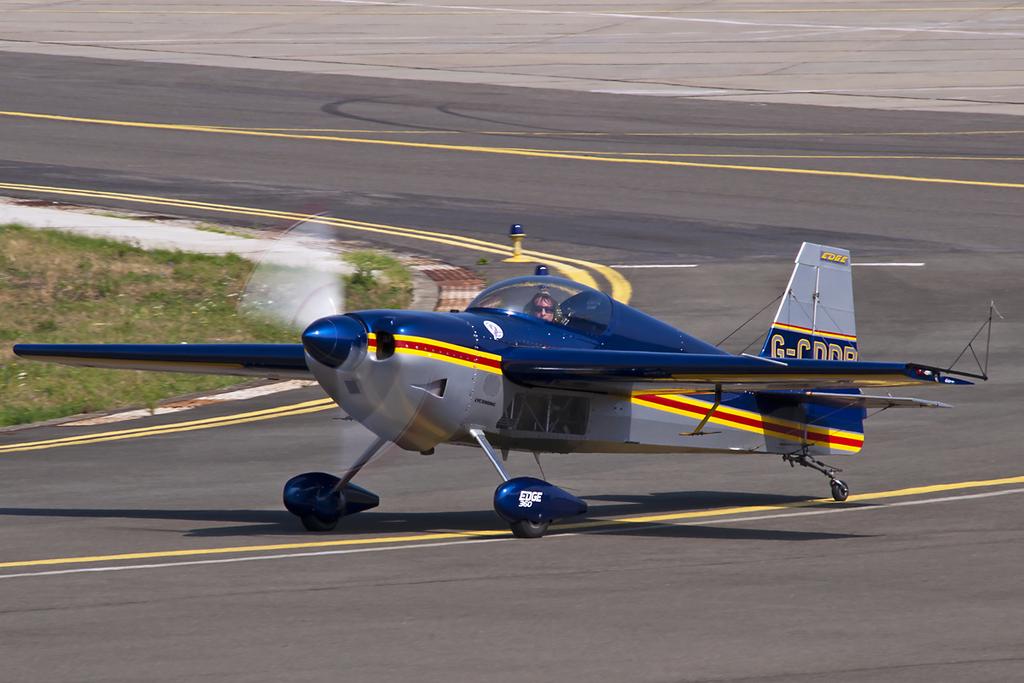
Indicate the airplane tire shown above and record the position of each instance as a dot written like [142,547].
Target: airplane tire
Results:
[527,529]
[314,523]
[840,490]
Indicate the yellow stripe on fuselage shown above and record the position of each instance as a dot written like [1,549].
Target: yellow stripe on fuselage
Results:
[464,362]
[448,359]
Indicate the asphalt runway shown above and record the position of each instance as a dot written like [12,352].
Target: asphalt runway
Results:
[167,556]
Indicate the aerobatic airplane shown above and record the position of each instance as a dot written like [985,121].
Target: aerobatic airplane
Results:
[545,365]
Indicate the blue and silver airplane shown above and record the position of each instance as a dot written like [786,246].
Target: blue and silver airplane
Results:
[543,364]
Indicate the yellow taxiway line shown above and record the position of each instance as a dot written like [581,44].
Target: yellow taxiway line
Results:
[855,498]
[462,535]
[191,425]
[576,269]
[624,134]
[816,157]
[479,149]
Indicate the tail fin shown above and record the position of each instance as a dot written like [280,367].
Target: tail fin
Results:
[815,318]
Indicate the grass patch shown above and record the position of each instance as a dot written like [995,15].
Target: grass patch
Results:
[379,281]
[58,287]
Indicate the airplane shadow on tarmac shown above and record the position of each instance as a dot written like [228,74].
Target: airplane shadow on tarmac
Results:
[604,506]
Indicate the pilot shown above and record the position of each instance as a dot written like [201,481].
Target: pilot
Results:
[542,306]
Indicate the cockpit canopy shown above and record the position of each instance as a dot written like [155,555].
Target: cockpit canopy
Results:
[552,299]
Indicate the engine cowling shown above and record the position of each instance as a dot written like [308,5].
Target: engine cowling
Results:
[404,382]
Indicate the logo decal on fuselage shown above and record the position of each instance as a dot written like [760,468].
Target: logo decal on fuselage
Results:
[528,498]
[494,329]
[833,257]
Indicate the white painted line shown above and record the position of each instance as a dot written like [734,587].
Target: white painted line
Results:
[255,558]
[669,91]
[674,91]
[844,91]
[123,416]
[189,404]
[619,527]
[695,265]
[939,29]
[657,265]
[504,37]
[264,390]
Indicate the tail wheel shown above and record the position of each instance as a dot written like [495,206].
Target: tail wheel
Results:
[527,529]
[840,490]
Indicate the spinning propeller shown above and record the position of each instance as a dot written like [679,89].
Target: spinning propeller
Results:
[299,283]
[298,279]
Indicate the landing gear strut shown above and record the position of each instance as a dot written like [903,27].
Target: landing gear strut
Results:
[840,491]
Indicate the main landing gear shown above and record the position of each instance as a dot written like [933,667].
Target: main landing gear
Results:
[529,505]
[320,499]
[840,491]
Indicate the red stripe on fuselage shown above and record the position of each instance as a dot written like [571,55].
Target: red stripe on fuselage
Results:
[467,356]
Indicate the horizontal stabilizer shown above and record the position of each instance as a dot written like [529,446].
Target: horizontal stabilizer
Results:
[272,361]
[630,371]
[864,401]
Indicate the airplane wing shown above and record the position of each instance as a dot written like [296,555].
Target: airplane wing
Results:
[620,372]
[273,361]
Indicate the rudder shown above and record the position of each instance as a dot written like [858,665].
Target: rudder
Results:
[815,318]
